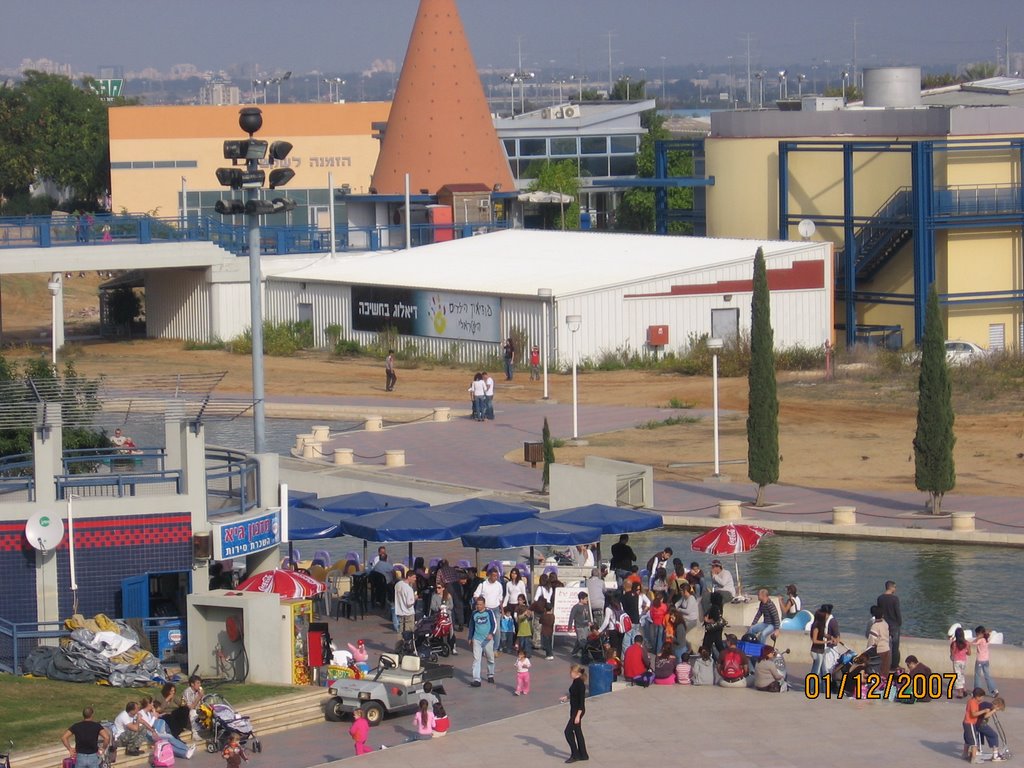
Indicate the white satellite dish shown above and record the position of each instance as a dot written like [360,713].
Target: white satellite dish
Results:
[806,228]
[44,531]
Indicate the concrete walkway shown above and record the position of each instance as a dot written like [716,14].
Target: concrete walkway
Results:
[464,452]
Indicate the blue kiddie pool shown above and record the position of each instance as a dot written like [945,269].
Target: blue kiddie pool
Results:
[799,623]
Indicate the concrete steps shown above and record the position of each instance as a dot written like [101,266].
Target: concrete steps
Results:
[269,716]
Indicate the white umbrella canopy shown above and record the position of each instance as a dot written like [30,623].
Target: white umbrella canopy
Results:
[540,196]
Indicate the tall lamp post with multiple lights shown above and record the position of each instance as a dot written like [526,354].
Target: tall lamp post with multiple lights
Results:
[715,345]
[249,153]
[573,323]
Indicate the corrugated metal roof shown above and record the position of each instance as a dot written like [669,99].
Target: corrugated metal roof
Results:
[518,262]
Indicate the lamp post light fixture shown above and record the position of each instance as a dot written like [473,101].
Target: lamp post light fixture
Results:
[846,78]
[760,89]
[715,345]
[249,153]
[544,294]
[579,79]
[277,81]
[782,84]
[800,80]
[56,288]
[573,323]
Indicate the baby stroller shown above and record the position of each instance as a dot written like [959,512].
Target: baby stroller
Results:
[435,634]
[593,649]
[218,720]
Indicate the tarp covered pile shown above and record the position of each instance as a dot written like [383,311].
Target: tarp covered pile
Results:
[98,649]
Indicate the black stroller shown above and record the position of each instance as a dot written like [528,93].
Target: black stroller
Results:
[435,634]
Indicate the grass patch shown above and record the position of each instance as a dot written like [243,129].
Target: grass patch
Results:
[203,346]
[678,404]
[558,442]
[34,712]
[672,421]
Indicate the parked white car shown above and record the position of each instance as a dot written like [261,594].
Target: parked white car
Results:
[963,352]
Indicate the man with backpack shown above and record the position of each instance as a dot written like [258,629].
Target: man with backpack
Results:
[90,737]
[733,666]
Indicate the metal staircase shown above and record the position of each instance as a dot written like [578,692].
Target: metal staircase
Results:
[878,241]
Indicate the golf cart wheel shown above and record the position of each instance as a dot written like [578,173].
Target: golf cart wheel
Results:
[333,711]
[211,747]
[374,713]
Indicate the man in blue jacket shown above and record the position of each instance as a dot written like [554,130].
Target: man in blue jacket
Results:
[484,630]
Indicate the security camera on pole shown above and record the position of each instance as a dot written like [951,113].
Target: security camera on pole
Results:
[249,152]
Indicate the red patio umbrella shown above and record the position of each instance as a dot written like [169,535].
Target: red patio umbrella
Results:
[730,539]
[288,584]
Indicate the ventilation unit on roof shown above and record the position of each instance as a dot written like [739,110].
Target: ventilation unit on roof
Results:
[546,113]
[570,111]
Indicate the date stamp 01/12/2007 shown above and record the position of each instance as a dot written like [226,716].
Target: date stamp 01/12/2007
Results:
[860,685]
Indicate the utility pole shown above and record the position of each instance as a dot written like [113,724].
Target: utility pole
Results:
[856,24]
[610,83]
[748,70]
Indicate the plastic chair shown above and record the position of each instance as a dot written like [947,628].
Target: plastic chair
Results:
[463,564]
[496,565]
[287,564]
[354,556]
[433,562]
[322,557]
[524,571]
[551,569]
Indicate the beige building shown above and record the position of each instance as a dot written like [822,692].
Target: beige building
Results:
[157,153]
[927,186]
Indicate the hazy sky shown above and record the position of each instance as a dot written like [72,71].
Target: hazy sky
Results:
[347,35]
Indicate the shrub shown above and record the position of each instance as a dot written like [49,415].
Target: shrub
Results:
[279,339]
[199,346]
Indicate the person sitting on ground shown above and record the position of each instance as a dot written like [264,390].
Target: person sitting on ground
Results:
[703,669]
[791,603]
[127,732]
[684,671]
[733,666]
[665,667]
[636,664]
[613,661]
[767,676]
[916,669]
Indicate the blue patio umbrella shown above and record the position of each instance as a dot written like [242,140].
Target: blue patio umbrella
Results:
[529,533]
[307,524]
[360,503]
[410,524]
[489,511]
[609,519]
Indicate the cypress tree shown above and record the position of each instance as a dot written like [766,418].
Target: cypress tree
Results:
[549,456]
[763,405]
[934,471]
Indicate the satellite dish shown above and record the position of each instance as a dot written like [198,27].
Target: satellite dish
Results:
[806,228]
[44,531]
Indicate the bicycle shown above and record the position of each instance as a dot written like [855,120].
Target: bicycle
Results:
[231,668]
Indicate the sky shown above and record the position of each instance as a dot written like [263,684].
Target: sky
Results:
[348,35]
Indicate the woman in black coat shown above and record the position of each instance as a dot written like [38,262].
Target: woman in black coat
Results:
[577,708]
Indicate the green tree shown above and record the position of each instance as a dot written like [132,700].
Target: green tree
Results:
[982,71]
[549,456]
[627,90]
[560,177]
[636,212]
[17,164]
[934,470]
[763,407]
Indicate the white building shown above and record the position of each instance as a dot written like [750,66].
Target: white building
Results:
[472,293]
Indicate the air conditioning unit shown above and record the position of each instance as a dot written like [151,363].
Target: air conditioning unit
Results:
[546,113]
[570,111]
[485,204]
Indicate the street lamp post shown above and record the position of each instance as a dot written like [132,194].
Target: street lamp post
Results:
[573,322]
[715,345]
[56,287]
[248,153]
[643,83]
[545,296]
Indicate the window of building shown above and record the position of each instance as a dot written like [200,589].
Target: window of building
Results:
[623,165]
[623,145]
[533,147]
[510,147]
[594,166]
[594,145]
[561,147]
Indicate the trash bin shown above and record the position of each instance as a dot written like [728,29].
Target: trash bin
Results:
[600,679]
[533,453]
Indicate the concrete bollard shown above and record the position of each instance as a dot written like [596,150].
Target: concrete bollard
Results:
[373,424]
[730,510]
[300,442]
[394,458]
[442,414]
[343,456]
[961,521]
[311,450]
[321,433]
[844,515]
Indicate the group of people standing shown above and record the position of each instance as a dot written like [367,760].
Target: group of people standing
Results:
[481,391]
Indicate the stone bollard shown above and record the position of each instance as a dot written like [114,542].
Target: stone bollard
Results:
[394,458]
[961,521]
[442,414]
[343,455]
[321,433]
[311,450]
[300,442]
[373,424]
[844,515]
[730,510]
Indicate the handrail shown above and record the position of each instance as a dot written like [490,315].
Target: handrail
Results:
[13,634]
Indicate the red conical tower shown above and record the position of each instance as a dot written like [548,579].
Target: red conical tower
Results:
[440,129]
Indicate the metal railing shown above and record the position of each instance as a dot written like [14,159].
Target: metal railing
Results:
[109,229]
[232,481]
[18,639]
[978,199]
[17,479]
